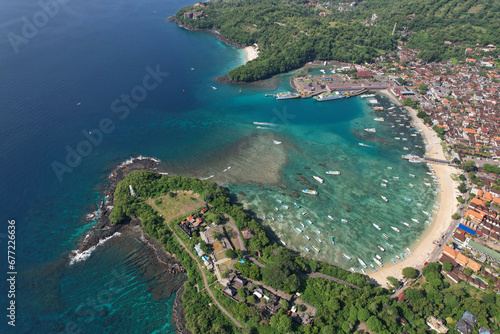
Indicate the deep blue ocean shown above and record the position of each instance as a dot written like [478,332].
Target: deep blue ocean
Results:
[116,75]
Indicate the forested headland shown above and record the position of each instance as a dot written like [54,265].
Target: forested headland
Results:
[292,33]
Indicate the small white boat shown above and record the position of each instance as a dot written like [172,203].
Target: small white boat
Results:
[381,248]
[379,119]
[310,192]
[378,262]
[317,231]
[214,88]
[384,198]
[310,222]
[415,220]
[362,263]
[383,185]
[378,257]
[376,226]
[302,224]
[304,213]
[298,229]
[346,256]
[330,217]
[306,249]
[319,240]
[370,130]
[284,243]
[410,184]
[276,142]
[333,172]
[395,228]
[389,168]
[386,181]
[405,224]
[307,237]
[316,249]
[276,208]
[343,220]
[317,178]
[279,201]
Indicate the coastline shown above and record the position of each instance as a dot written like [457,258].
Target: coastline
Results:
[424,246]
[104,229]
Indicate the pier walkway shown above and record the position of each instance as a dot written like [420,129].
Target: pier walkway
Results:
[427,160]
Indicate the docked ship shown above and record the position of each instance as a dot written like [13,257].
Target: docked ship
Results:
[378,108]
[346,256]
[416,220]
[379,119]
[405,224]
[333,172]
[287,96]
[370,130]
[376,226]
[364,96]
[362,263]
[395,228]
[330,96]
[317,178]
[310,192]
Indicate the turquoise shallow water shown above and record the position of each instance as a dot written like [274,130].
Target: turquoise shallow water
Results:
[326,136]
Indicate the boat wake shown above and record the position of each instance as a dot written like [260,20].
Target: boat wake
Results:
[78,256]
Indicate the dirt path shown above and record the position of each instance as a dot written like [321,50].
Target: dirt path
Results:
[205,281]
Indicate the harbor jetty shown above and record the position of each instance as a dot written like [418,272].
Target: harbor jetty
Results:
[311,85]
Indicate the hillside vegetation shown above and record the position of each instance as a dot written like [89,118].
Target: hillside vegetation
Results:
[291,33]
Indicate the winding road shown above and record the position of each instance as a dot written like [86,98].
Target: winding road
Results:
[205,281]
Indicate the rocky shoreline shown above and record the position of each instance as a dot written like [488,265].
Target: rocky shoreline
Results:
[105,229]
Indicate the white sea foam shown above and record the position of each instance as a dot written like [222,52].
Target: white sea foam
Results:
[131,160]
[78,256]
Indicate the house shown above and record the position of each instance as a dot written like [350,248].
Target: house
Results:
[437,325]
[467,323]
[363,74]
[450,252]
[462,259]
[240,281]
[473,265]
[247,233]
[230,291]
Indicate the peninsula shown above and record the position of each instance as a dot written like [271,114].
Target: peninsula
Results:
[240,280]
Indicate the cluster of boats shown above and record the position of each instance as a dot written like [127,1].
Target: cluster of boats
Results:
[321,181]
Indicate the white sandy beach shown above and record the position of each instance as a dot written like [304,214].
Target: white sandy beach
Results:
[423,248]
[251,52]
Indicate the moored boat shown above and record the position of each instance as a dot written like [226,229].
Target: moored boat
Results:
[362,263]
[287,96]
[319,240]
[395,228]
[373,267]
[405,224]
[343,220]
[333,240]
[316,249]
[378,262]
[317,178]
[307,237]
[298,206]
[306,249]
[381,248]
[329,96]
[310,192]
[298,229]
[384,198]
[346,256]
[376,226]
[330,217]
[310,222]
[333,172]
[284,243]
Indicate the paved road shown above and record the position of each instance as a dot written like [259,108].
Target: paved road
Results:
[205,281]
[330,278]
